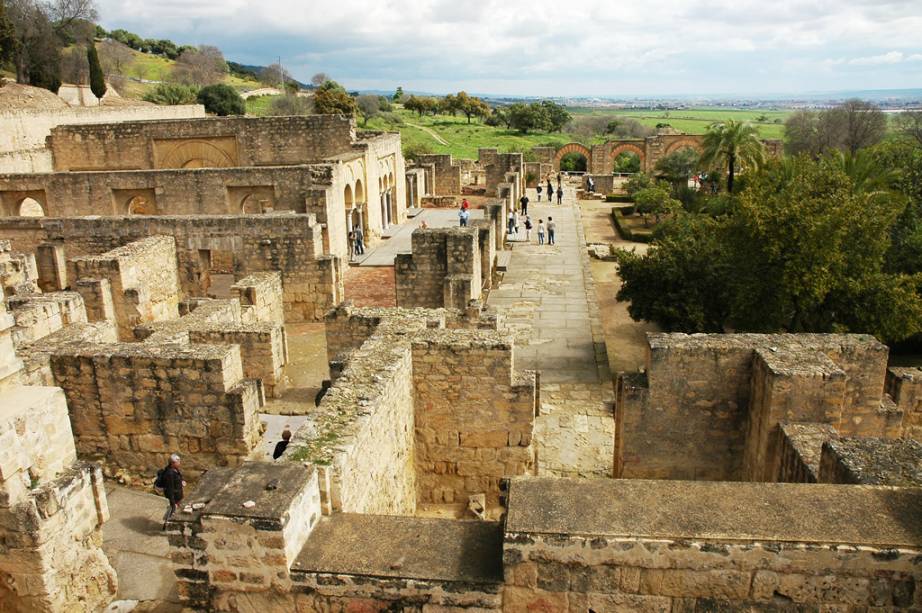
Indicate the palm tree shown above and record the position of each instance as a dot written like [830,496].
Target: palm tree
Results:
[734,145]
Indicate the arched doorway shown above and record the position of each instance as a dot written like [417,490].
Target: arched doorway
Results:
[570,148]
[30,207]
[627,158]
[574,162]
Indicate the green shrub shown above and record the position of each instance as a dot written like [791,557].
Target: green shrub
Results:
[221,99]
[172,94]
[618,198]
[627,211]
[625,232]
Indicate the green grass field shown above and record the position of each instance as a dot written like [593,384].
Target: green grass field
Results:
[696,121]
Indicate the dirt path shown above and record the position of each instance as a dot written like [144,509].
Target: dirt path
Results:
[625,339]
[430,132]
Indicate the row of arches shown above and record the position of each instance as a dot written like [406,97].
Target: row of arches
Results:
[577,151]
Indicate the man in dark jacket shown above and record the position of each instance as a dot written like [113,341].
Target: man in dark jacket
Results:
[172,487]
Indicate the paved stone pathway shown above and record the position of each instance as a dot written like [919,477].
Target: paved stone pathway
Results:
[548,299]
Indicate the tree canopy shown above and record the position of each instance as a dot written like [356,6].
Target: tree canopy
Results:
[331,99]
[732,145]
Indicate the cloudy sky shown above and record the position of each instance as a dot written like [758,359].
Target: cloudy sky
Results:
[554,47]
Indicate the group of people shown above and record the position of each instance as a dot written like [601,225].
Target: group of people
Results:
[356,242]
[550,190]
[548,230]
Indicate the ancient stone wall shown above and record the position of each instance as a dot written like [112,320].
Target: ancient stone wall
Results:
[205,191]
[474,419]
[446,179]
[497,165]
[291,244]
[38,315]
[444,269]
[201,142]
[142,278]
[904,385]
[23,133]
[594,545]
[800,446]
[705,401]
[132,404]
[51,510]
[872,461]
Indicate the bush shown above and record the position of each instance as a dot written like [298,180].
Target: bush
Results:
[290,105]
[413,151]
[618,198]
[627,211]
[172,94]
[625,232]
[222,100]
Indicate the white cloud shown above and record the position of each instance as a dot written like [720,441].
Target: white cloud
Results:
[593,41]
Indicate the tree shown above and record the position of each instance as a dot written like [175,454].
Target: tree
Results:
[412,151]
[66,14]
[332,99]
[202,66]
[398,95]
[74,65]
[221,99]
[657,201]
[627,162]
[865,124]
[678,167]
[115,57]
[556,116]
[319,79]
[638,182]
[97,78]
[37,46]
[525,117]
[733,145]
[291,105]
[8,42]
[274,75]
[471,106]
[369,106]
[854,125]
[909,123]
[172,94]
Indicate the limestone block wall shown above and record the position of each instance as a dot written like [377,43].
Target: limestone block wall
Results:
[872,461]
[698,403]
[904,385]
[23,133]
[38,315]
[312,283]
[575,546]
[143,279]
[228,557]
[800,446]
[51,510]
[497,165]
[10,364]
[446,180]
[260,294]
[444,269]
[262,351]
[474,420]
[257,141]
[132,404]
[52,267]
[36,356]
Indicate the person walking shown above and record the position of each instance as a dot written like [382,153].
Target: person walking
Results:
[559,195]
[539,192]
[170,479]
[282,445]
[551,230]
[510,223]
[558,181]
[540,231]
[523,203]
[463,216]
[465,204]
[351,242]
[359,241]
[550,191]
[528,228]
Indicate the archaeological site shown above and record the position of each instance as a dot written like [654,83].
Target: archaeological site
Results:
[469,430]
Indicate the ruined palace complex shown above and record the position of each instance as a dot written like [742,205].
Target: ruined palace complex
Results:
[471,447]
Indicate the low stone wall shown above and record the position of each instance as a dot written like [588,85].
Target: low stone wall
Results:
[444,269]
[292,245]
[904,385]
[595,545]
[446,174]
[800,447]
[872,461]
[38,315]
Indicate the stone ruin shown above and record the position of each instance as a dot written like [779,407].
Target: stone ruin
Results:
[744,468]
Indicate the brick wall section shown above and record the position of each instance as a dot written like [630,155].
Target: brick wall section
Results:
[474,420]
[446,179]
[444,269]
[132,404]
[262,141]
[143,279]
[699,400]
[290,244]
[791,547]
[51,510]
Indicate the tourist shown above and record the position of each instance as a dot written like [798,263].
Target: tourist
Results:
[528,228]
[510,221]
[590,184]
[550,191]
[351,242]
[282,445]
[463,216]
[559,195]
[359,241]
[551,229]
[465,204]
[540,231]
[523,203]
[539,192]
[171,482]
[558,181]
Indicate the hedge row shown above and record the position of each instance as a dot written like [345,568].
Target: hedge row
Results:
[625,232]
[618,198]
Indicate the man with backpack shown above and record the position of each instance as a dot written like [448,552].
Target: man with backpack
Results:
[169,479]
